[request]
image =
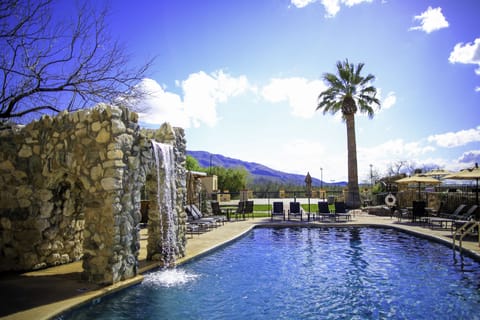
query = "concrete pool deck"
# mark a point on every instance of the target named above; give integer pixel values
(43, 294)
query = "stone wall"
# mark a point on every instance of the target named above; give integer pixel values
(70, 189)
(156, 228)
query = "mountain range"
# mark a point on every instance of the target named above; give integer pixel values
(257, 171)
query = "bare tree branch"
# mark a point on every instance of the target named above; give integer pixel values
(48, 64)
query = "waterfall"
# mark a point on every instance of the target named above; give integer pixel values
(166, 200)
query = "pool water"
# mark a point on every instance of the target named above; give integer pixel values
(307, 273)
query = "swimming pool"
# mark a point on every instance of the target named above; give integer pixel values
(307, 273)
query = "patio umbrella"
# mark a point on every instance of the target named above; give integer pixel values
(467, 174)
(437, 173)
(418, 179)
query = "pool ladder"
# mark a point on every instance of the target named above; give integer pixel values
(463, 231)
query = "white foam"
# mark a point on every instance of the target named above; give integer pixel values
(169, 278)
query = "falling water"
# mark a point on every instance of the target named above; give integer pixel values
(166, 200)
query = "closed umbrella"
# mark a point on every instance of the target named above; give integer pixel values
(308, 183)
(418, 179)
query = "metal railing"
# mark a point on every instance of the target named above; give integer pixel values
(464, 230)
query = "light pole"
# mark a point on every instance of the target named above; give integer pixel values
(371, 184)
(371, 176)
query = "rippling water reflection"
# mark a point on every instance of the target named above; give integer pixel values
(309, 273)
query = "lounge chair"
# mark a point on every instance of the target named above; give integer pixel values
(295, 210)
(457, 211)
(197, 226)
(461, 219)
(341, 211)
(194, 217)
(194, 228)
(217, 213)
(240, 210)
(467, 215)
(440, 222)
(220, 219)
(469, 218)
(444, 219)
(248, 209)
(324, 211)
(278, 210)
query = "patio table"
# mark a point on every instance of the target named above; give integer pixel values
(229, 209)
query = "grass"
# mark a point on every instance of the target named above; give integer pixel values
(263, 210)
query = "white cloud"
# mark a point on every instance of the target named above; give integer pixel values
(383, 155)
(472, 156)
(399, 149)
(351, 3)
(332, 7)
(431, 20)
(456, 139)
(389, 101)
(161, 106)
(467, 54)
(302, 3)
(300, 93)
(202, 93)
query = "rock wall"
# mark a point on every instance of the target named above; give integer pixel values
(70, 189)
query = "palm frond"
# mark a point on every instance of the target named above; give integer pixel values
(348, 83)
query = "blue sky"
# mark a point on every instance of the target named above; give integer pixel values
(243, 77)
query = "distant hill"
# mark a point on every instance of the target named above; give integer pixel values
(258, 171)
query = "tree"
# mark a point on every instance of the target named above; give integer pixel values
(231, 179)
(49, 63)
(401, 167)
(349, 92)
(193, 165)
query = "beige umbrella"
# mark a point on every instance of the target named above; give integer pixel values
(418, 179)
(437, 173)
(467, 174)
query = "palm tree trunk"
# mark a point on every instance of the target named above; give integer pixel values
(353, 193)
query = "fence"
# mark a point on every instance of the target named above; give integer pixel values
(434, 199)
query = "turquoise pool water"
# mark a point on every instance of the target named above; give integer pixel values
(307, 273)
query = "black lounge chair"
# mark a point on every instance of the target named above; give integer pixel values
(248, 209)
(220, 219)
(462, 219)
(341, 211)
(217, 213)
(278, 210)
(295, 210)
(194, 228)
(457, 212)
(240, 210)
(443, 219)
(467, 215)
(194, 216)
(324, 211)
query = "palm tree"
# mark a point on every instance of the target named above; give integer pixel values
(348, 92)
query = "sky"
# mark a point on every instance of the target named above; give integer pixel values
(243, 78)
